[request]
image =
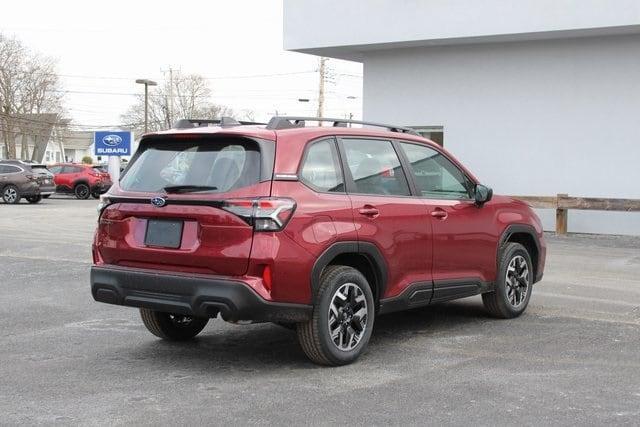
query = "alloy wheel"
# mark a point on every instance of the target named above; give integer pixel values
(517, 281)
(10, 195)
(347, 316)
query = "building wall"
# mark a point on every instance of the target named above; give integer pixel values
(532, 118)
(318, 26)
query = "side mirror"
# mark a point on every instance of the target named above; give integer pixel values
(483, 194)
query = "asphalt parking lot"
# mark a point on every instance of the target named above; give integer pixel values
(573, 358)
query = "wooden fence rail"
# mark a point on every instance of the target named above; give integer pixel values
(563, 202)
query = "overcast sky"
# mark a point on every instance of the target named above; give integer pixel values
(104, 46)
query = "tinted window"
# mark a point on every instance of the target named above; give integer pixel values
(375, 167)
(321, 168)
(55, 169)
(434, 174)
(226, 164)
(9, 169)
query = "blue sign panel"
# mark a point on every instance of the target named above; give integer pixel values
(112, 143)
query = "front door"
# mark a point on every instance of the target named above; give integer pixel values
(387, 216)
(463, 248)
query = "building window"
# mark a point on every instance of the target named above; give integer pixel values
(434, 133)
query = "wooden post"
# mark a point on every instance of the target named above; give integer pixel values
(561, 216)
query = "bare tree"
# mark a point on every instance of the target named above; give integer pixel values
(28, 89)
(192, 98)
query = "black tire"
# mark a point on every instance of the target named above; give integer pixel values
(499, 303)
(315, 336)
(173, 327)
(82, 191)
(34, 199)
(46, 196)
(11, 194)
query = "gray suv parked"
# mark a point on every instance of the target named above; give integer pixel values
(20, 179)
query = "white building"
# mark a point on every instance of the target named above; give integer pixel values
(537, 97)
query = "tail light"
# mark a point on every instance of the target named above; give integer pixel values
(31, 177)
(265, 213)
(96, 173)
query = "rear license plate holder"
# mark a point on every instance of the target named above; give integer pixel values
(164, 233)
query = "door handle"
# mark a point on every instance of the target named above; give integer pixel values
(368, 210)
(439, 213)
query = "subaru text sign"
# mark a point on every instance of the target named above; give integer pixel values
(112, 143)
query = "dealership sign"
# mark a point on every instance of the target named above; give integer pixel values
(112, 143)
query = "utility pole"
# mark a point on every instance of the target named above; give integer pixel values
(322, 70)
(146, 83)
(170, 96)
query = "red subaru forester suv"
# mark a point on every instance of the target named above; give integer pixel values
(320, 229)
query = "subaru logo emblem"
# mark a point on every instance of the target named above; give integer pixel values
(112, 140)
(158, 202)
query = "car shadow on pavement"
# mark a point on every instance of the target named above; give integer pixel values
(265, 347)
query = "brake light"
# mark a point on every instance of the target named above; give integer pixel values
(265, 214)
(93, 172)
(32, 177)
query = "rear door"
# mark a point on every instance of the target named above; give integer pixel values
(185, 205)
(387, 216)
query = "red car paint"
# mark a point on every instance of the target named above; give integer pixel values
(68, 175)
(420, 240)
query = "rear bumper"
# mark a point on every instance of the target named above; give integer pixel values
(190, 295)
(101, 187)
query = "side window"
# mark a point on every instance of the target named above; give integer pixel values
(55, 169)
(375, 167)
(321, 169)
(435, 175)
(3, 169)
(10, 169)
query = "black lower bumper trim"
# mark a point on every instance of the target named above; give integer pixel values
(190, 295)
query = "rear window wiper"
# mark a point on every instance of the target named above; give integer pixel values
(188, 188)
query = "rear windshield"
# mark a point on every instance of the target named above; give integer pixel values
(40, 169)
(100, 168)
(220, 164)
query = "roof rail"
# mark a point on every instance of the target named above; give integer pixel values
(288, 122)
(222, 122)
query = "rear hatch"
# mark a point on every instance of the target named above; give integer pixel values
(42, 175)
(186, 203)
(101, 172)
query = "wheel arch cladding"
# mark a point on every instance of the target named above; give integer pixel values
(526, 236)
(364, 257)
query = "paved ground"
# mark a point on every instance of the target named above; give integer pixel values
(573, 358)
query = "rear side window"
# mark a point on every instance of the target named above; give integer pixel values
(55, 169)
(375, 167)
(222, 164)
(9, 169)
(321, 169)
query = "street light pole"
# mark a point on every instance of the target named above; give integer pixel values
(146, 83)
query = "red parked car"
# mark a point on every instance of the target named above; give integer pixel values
(316, 228)
(81, 180)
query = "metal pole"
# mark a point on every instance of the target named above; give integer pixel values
(146, 108)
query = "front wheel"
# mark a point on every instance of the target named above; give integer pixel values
(34, 199)
(173, 327)
(82, 191)
(342, 319)
(513, 284)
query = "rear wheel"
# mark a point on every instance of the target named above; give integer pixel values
(11, 194)
(513, 285)
(82, 191)
(342, 320)
(174, 327)
(34, 199)
(46, 196)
